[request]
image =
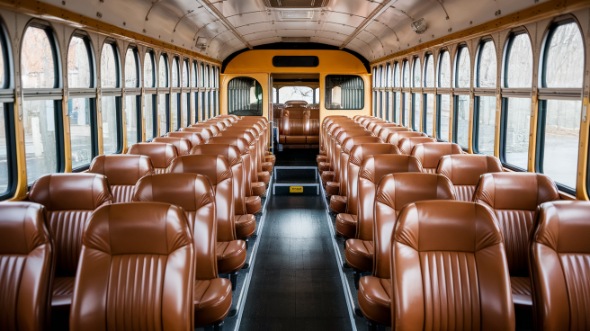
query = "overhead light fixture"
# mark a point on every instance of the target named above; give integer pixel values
(419, 26)
(201, 43)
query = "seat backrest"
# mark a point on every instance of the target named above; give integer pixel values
(395, 191)
(122, 171)
(234, 157)
(69, 199)
(204, 132)
(397, 135)
(217, 169)
(514, 197)
(183, 145)
(358, 154)
(407, 144)
(148, 242)
(246, 155)
(430, 153)
(448, 269)
(26, 261)
(372, 169)
(161, 154)
(214, 129)
(387, 131)
(559, 266)
(347, 145)
(464, 171)
(194, 194)
(193, 137)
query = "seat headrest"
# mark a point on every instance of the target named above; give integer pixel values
(465, 169)
(350, 142)
(447, 226)
(408, 143)
(515, 190)
(375, 167)
(360, 152)
(71, 191)
(193, 137)
(161, 154)
(429, 154)
(183, 145)
(396, 136)
(122, 169)
(189, 191)
(232, 153)
(563, 226)
(342, 135)
(215, 167)
(398, 190)
(22, 227)
(240, 143)
(137, 228)
(205, 133)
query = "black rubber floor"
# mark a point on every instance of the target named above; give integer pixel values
(295, 283)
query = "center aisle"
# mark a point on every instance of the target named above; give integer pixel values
(295, 283)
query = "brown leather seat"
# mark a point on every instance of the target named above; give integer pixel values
(69, 200)
(26, 262)
(231, 252)
(559, 266)
(386, 132)
(396, 136)
(329, 178)
(193, 137)
(346, 223)
(448, 268)
(204, 132)
(338, 199)
(161, 154)
(183, 145)
(429, 154)
(393, 192)
(464, 171)
(212, 295)
(122, 172)
(514, 197)
(406, 145)
(245, 222)
(214, 129)
(137, 270)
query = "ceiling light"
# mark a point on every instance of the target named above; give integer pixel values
(419, 26)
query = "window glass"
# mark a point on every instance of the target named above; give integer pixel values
(416, 73)
(80, 111)
(39, 123)
(463, 68)
(163, 71)
(388, 76)
(486, 124)
(443, 117)
(4, 171)
(79, 71)
(184, 116)
(486, 65)
(562, 137)
(516, 141)
(108, 66)
(462, 120)
(174, 120)
(444, 70)
(406, 74)
(344, 92)
(110, 137)
(429, 120)
(398, 107)
(245, 97)
(195, 74)
(175, 76)
(162, 114)
(131, 68)
(185, 74)
(131, 115)
(429, 71)
(148, 70)
(396, 75)
(564, 57)
(37, 60)
(406, 114)
(148, 115)
(304, 93)
(519, 62)
(416, 111)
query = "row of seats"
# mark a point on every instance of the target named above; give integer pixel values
(298, 124)
(440, 171)
(70, 199)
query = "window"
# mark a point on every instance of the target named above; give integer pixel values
(244, 97)
(462, 68)
(8, 173)
(195, 83)
(81, 103)
(163, 96)
(416, 96)
(486, 65)
(110, 99)
(41, 111)
(484, 130)
(388, 94)
(559, 118)
(443, 111)
(406, 95)
(149, 81)
(175, 119)
(462, 120)
(185, 96)
(344, 92)
(304, 93)
(429, 106)
(518, 65)
(397, 97)
(132, 118)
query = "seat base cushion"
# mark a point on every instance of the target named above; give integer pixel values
(245, 226)
(332, 188)
(375, 299)
(346, 225)
(253, 204)
(521, 291)
(267, 166)
(321, 158)
(264, 176)
(338, 203)
(231, 256)
(324, 166)
(259, 189)
(359, 254)
(212, 300)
